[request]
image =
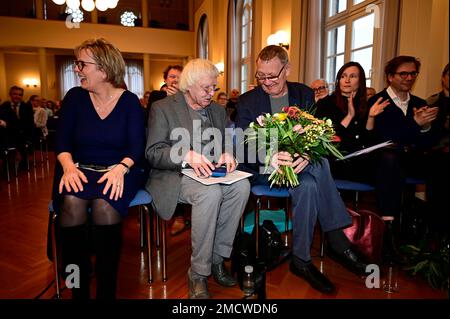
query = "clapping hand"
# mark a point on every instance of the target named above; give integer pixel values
(425, 115)
(378, 107)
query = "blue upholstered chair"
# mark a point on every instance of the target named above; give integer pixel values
(346, 185)
(142, 200)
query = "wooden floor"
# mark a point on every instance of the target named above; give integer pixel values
(25, 270)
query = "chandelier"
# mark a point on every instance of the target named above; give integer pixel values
(88, 5)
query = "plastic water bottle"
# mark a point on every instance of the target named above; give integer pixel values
(248, 282)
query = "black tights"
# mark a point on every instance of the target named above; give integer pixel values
(76, 245)
(74, 212)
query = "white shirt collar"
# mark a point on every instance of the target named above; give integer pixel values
(403, 105)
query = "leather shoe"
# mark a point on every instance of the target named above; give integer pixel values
(351, 261)
(314, 277)
(222, 276)
(178, 226)
(198, 288)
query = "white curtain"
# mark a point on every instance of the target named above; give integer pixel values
(68, 78)
(134, 78)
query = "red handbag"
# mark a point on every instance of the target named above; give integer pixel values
(366, 234)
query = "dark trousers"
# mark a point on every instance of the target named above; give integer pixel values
(316, 198)
(394, 166)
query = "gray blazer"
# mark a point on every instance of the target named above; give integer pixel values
(165, 175)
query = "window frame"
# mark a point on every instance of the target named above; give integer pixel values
(346, 18)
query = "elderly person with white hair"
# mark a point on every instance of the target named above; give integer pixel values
(176, 127)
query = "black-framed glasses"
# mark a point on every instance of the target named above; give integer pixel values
(210, 88)
(269, 77)
(320, 89)
(81, 64)
(404, 74)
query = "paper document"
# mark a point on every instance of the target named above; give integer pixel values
(229, 179)
(368, 150)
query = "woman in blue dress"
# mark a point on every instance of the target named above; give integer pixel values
(99, 145)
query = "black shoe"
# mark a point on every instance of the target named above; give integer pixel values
(350, 260)
(221, 275)
(314, 277)
(198, 288)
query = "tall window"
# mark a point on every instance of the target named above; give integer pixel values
(350, 35)
(246, 18)
(202, 38)
(134, 78)
(68, 78)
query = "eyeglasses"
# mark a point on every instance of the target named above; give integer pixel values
(211, 88)
(81, 64)
(404, 75)
(269, 77)
(319, 89)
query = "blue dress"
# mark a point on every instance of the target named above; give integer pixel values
(92, 140)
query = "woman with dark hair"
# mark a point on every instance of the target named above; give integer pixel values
(347, 108)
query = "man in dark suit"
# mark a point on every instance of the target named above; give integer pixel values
(182, 129)
(407, 121)
(18, 117)
(316, 198)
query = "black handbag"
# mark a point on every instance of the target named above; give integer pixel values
(270, 244)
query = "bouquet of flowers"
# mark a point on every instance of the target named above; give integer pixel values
(296, 132)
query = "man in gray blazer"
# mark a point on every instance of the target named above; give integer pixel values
(188, 130)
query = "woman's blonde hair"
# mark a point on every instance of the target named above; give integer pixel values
(194, 70)
(108, 58)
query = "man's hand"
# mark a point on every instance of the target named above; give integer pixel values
(284, 158)
(172, 89)
(229, 160)
(425, 115)
(201, 165)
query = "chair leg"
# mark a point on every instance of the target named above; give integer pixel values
(164, 249)
(148, 217)
(322, 244)
(256, 225)
(286, 225)
(8, 177)
(356, 200)
(55, 257)
(142, 226)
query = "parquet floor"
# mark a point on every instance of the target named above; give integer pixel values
(25, 270)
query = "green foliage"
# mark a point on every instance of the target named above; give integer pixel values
(430, 259)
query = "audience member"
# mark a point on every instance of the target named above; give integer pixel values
(99, 146)
(171, 77)
(316, 198)
(40, 117)
(370, 92)
(320, 88)
(216, 209)
(347, 108)
(222, 99)
(438, 186)
(406, 121)
(18, 117)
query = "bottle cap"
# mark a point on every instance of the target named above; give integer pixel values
(248, 269)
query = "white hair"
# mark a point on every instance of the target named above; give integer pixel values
(194, 70)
